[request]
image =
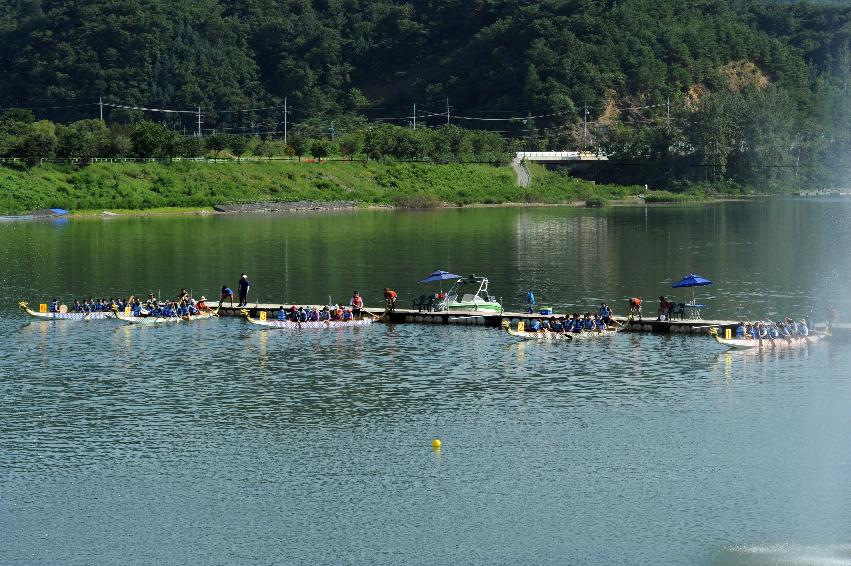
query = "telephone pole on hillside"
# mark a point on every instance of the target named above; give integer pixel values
(668, 111)
(285, 120)
(415, 116)
(100, 103)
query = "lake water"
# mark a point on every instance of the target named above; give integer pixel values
(221, 443)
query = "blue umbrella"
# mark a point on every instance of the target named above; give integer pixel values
(439, 276)
(692, 280)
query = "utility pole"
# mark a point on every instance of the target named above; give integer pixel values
(447, 110)
(285, 120)
(333, 131)
(100, 103)
(798, 158)
(584, 125)
(668, 111)
(415, 116)
(199, 122)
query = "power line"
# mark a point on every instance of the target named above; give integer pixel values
(164, 110)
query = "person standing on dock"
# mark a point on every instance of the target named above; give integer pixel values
(530, 300)
(356, 304)
(244, 286)
(390, 299)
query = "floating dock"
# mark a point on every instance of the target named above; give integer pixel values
(473, 318)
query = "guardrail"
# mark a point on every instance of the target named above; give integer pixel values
(553, 156)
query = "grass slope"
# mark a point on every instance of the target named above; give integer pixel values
(143, 186)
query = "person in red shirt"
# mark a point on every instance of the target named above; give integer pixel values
(390, 298)
(357, 304)
(635, 307)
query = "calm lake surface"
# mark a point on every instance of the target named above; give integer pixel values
(221, 443)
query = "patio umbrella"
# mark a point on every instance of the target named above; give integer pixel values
(441, 276)
(692, 280)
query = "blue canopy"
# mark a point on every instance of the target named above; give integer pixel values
(692, 280)
(440, 276)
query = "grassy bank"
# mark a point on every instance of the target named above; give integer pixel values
(143, 186)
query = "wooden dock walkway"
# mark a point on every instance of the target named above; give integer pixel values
(473, 318)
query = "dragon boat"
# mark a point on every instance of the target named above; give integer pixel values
(63, 313)
(152, 320)
(292, 325)
(524, 334)
(766, 344)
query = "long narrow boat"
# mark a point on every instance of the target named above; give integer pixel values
(520, 332)
(98, 315)
(766, 344)
(320, 325)
(163, 319)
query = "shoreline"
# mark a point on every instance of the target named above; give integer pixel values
(300, 207)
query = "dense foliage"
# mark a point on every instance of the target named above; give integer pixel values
(24, 139)
(749, 90)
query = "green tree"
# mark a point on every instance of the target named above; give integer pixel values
(300, 143)
(216, 143)
(85, 138)
(150, 139)
(351, 144)
(320, 149)
(238, 145)
(192, 146)
(37, 143)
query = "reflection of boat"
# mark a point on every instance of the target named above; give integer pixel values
(469, 294)
(64, 314)
(317, 324)
(162, 319)
(754, 344)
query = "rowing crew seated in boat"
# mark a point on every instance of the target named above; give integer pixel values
(315, 314)
(574, 323)
(89, 305)
(788, 329)
(154, 308)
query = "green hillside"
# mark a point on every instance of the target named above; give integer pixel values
(132, 186)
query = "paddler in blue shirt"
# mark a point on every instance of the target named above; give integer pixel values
(53, 306)
(740, 331)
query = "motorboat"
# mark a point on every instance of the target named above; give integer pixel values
(469, 294)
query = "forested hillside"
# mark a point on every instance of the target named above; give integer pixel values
(731, 85)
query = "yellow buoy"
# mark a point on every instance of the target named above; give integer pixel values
(435, 444)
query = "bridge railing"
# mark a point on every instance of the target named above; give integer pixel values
(552, 156)
(548, 155)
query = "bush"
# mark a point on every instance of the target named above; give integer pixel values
(418, 200)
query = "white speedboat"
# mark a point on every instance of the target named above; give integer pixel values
(469, 294)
